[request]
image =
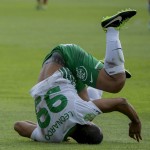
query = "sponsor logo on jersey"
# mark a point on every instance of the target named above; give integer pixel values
(89, 117)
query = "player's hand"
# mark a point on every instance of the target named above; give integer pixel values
(135, 130)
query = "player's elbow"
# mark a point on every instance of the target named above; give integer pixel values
(122, 104)
(123, 101)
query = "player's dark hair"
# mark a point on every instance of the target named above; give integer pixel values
(87, 134)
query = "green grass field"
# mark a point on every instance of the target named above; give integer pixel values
(26, 35)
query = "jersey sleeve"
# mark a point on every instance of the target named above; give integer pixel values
(79, 85)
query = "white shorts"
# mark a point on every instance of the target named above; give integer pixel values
(59, 109)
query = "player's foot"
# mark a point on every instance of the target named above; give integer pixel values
(118, 19)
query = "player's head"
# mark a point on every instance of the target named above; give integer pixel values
(88, 134)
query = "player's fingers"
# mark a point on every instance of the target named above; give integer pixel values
(132, 135)
(137, 137)
(140, 136)
(134, 138)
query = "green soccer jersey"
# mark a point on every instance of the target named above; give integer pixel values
(84, 67)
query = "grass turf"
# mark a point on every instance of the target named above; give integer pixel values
(26, 35)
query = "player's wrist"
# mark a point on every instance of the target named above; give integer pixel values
(136, 121)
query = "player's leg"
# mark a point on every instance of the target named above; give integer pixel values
(114, 72)
(45, 2)
(39, 4)
(42, 4)
(24, 128)
(112, 77)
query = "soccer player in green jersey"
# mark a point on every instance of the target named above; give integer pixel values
(87, 70)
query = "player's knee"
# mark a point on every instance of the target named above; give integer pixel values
(118, 85)
(117, 88)
(112, 84)
(17, 126)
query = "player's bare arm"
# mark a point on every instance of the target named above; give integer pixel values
(84, 94)
(121, 105)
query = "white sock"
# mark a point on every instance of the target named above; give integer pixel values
(114, 58)
(94, 93)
